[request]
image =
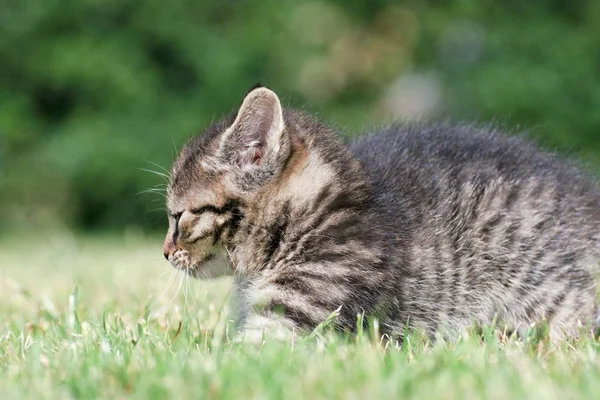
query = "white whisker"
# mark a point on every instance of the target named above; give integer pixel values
(165, 270)
(158, 165)
(162, 175)
(169, 283)
(194, 301)
(177, 292)
(185, 293)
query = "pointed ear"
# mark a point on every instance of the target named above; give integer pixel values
(256, 131)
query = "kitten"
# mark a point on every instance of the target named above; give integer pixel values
(427, 227)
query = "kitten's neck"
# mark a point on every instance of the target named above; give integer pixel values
(313, 198)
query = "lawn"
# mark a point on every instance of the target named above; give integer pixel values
(106, 317)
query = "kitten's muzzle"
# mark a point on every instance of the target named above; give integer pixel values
(169, 247)
(180, 258)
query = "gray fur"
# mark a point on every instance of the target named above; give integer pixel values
(433, 227)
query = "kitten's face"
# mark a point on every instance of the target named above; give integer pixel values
(213, 177)
(201, 220)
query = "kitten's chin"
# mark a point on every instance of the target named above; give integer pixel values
(214, 265)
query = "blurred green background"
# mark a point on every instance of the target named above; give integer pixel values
(92, 92)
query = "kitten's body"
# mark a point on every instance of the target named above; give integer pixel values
(492, 228)
(435, 227)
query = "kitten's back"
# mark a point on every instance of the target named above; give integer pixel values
(495, 226)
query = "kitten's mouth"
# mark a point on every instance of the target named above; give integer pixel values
(181, 260)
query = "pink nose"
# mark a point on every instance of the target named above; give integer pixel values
(168, 246)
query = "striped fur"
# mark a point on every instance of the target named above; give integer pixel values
(431, 227)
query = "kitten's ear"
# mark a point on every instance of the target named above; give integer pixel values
(256, 130)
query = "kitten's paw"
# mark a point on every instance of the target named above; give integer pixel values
(259, 328)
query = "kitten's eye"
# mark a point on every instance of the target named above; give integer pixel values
(176, 216)
(207, 208)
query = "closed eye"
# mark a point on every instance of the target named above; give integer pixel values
(230, 206)
(207, 208)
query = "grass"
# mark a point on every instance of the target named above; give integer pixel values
(84, 318)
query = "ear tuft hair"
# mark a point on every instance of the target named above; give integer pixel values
(255, 86)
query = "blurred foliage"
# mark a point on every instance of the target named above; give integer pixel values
(93, 92)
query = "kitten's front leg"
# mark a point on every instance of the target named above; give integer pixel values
(258, 319)
(284, 306)
(258, 327)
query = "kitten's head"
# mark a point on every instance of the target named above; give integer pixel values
(216, 174)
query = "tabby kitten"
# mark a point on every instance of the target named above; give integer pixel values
(427, 227)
